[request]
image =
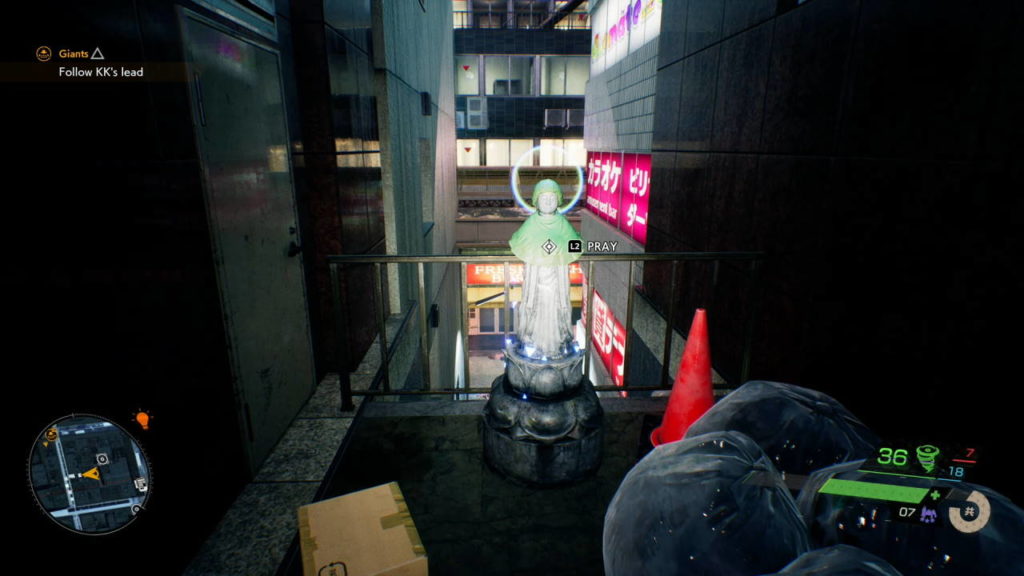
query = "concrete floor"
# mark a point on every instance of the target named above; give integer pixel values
(473, 520)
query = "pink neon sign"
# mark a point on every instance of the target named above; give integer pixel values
(618, 190)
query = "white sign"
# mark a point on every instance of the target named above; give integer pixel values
(620, 27)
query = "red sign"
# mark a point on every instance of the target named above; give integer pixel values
(604, 182)
(609, 339)
(637, 192)
(494, 274)
(595, 193)
(618, 190)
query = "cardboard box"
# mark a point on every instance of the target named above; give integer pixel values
(366, 533)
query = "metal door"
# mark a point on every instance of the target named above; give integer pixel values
(238, 113)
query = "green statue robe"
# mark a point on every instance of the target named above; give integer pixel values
(544, 317)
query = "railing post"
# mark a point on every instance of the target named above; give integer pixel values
(666, 355)
(629, 327)
(382, 329)
(587, 340)
(463, 307)
(424, 338)
(508, 300)
(344, 379)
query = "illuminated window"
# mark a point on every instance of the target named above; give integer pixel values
(502, 152)
(563, 152)
(497, 152)
(467, 75)
(468, 153)
(508, 75)
(564, 75)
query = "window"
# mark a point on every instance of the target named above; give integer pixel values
(577, 20)
(468, 153)
(497, 152)
(508, 75)
(460, 13)
(496, 75)
(564, 75)
(516, 150)
(467, 70)
(504, 153)
(559, 152)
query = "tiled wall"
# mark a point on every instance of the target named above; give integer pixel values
(413, 54)
(620, 104)
(619, 118)
(864, 145)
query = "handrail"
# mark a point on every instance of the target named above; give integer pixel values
(617, 256)
(380, 263)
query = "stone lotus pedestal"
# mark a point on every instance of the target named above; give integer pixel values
(543, 423)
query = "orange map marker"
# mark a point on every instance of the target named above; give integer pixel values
(94, 474)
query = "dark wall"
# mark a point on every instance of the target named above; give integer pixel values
(340, 160)
(522, 117)
(871, 149)
(110, 300)
(501, 41)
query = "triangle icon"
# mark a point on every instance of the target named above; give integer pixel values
(94, 474)
(465, 67)
(97, 55)
(468, 148)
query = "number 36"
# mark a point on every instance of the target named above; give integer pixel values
(889, 456)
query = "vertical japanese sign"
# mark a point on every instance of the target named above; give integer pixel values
(604, 185)
(618, 190)
(609, 339)
(636, 193)
(595, 193)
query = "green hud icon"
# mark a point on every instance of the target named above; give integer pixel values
(926, 456)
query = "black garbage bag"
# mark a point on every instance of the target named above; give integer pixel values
(971, 531)
(712, 504)
(838, 561)
(801, 430)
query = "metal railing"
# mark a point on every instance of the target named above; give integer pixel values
(752, 260)
(520, 19)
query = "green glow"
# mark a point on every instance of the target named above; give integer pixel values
(926, 455)
(872, 491)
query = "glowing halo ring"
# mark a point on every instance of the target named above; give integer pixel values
(515, 176)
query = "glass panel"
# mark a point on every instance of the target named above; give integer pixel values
(468, 153)
(517, 148)
(487, 320)
(577, 72)
(552, 75)
(496, 75)
(575, 152)
(521, 76)
(466, 69)
(551, 152)
(497, 152)
(460, 13)
(488, 19)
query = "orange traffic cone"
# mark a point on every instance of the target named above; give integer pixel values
(691, 393)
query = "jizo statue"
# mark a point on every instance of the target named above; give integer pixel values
(544, 317)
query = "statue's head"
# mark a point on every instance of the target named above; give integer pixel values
(547, 196)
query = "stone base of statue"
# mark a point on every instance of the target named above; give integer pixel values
(543, 423)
